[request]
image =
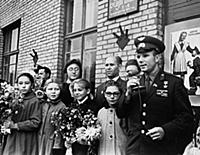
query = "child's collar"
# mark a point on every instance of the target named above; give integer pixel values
(81, 102)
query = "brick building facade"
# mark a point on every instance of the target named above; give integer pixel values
(49, 27)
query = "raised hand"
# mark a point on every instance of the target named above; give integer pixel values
(123, 39)
(35, 57)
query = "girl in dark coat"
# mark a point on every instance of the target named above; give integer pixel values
(81, 91)
(49, 143)
(24, 125)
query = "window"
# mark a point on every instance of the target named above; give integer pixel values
(10, 51)
(81, 34)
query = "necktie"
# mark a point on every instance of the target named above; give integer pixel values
(147, 83)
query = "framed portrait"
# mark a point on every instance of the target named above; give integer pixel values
(118, 8)
(181, 40)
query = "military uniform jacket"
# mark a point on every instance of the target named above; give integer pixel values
(166, 105)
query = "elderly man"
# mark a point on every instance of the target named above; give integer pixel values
(160, 120)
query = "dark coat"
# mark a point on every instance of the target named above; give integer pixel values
(100, 99)
(24, 141)
(78, 149)
(65, 94)
(47, 139)
(166, 105)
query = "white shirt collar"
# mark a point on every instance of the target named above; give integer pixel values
(114, 79)
(81, 102)
(68, 81)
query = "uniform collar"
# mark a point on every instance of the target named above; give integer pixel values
(153, 75)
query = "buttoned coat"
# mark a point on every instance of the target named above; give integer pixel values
(47, 139)
(113, 139)
(166, 105)
(24, 141)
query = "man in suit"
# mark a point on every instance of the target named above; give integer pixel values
(160, 119)
(112, 68)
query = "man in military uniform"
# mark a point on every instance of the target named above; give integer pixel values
(160, 121)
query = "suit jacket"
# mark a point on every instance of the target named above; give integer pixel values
(100, 100)
(166, 105)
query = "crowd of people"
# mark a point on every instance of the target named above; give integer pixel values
(149, 113)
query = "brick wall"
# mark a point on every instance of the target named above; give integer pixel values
(1, 49)
(41, 29)
(148, 21)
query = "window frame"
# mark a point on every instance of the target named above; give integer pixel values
(7, 53)
(69, 34)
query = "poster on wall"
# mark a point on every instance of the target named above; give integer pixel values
(182, 55)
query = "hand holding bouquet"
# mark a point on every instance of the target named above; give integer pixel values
(90, 131)
(66, 121)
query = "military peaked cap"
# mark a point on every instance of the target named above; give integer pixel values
(147, 43)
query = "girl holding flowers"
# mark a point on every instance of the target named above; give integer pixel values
(81, 91)
(113, 139)
(51, 143)
(25, 122)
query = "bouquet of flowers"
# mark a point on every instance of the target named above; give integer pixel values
(10, 103)
(66, 121)
(89, 132)
(77, 126)
(6, 95)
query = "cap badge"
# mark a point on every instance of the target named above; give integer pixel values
(141, 38)
(141, 45)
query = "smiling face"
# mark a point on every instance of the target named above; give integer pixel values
(147, 61)
(111, 67)
(24, 84)
(80, 92)
(52, 91)
(112, 95)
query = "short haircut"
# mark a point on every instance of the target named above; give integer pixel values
(74, 61)
(118, 60)
(46, 70)
(84, 82)
(31, 78)
(112, 83)
(132, 62)
(51, 80)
